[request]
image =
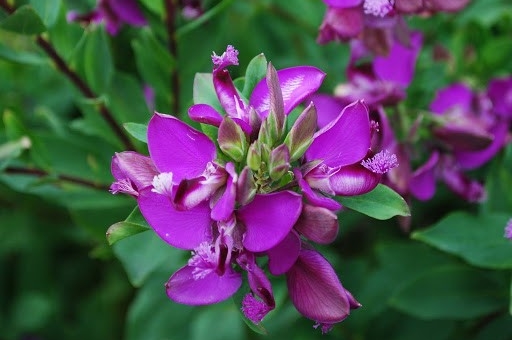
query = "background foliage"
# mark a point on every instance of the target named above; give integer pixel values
(448, 279)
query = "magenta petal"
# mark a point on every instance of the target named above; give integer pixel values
(315, 289)
(398, 66)
(456, 95)
(327, 107)
(176, 147)
(342, 3)
(183, 288)
(224, 207)
(499, 92)
(353, 180)
(204, 113)
(269, 218)
(345, 140)
(423, 181)
(317, 224)
(458, 182)
(136, 167)
(128, 11)
(226, 92)
(282, 257)
(181, 229)
(313, 197)
(297, 83)
(475, 159)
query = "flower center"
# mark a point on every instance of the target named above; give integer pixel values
(379, 8)
(162, 184)
(204, 261)
(381, 162)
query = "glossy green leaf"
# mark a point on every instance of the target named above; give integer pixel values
(256, 71)
(24, 20)
(381, 203)
(460, 293)
(477, 239)
(138, 131)
(134, 224)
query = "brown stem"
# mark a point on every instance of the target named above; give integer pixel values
(172, 45)
(63, 67)
(64, 178)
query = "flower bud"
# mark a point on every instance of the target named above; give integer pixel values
(279, 162)
(254, 156)
(232, 139)
(246, 187)
(301, 134)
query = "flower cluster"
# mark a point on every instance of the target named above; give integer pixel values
(254, 198)
(114, 13)
(376, 23)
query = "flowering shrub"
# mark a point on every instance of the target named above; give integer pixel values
(345, 168)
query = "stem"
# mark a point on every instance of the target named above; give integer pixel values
(84, 88)
(64, 178)
(172, 45)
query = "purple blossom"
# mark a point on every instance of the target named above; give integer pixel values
(469, 126)
(259, 190)
(114, 13)
(384, 80)
(508, 229)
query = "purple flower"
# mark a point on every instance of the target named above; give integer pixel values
(114, 13)
(385, 79)
(468, 125)
(316, 291)
(445, 168)
(508, 229)
(260, 189)
(339, 160)
(295, 84)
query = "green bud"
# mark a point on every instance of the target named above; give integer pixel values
(254, 156)
(245, 187)
(276, 109)
(279, 162)
(301, 134)
(232, 139)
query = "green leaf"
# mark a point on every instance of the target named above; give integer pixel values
(138, 131)
(155, 65)
(19, 50)
(97, 65)
(256, 71)
(381, 203)
(24, 20)
(14, 127)
(153, 316)
(12, 149)
(477, 239)
(204, 92)
(451, 292)
(497, 184)
(134, 224)
(145, 253)
(48, 10)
